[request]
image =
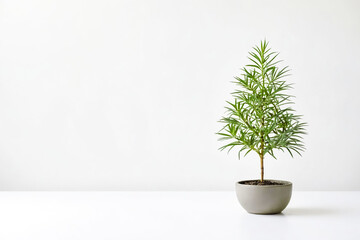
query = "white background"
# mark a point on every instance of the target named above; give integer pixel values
(126, 95)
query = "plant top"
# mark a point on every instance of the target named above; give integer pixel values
(261, 118)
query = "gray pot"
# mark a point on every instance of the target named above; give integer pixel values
(267, 199)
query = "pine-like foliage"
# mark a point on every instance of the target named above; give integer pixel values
(261, 118)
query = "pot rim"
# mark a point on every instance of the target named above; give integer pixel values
(285, 183)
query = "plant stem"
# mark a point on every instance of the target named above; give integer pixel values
(262, 126)
(262, 160)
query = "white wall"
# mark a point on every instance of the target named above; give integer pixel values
(126, 95)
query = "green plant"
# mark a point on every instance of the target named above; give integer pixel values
(261, 118)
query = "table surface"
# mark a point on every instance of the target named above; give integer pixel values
(173, 215)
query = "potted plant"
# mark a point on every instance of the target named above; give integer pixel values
(261, 120)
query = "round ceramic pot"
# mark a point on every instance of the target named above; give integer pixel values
(264, 199)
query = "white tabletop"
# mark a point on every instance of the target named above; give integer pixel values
(173, 215)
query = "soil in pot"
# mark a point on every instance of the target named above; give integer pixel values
(258, 182)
